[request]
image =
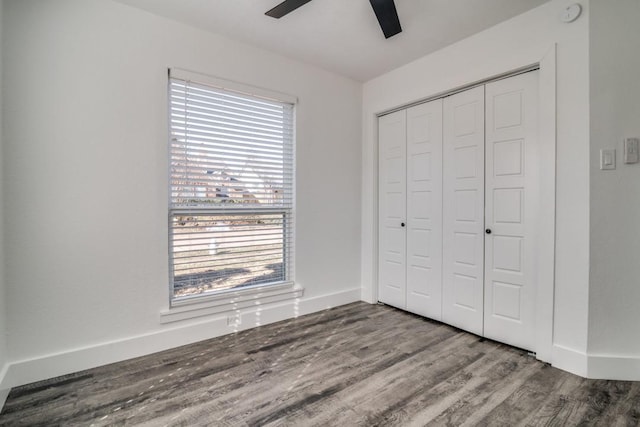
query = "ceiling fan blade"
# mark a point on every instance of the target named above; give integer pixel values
(285, 7)
(387, 17)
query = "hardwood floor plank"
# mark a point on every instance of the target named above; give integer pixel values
(602, 397)
(547, 411)
(435, 400)
(626, 412)
(528, 396)
(427, 366)
(498, 383)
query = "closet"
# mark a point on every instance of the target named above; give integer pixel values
(457, 213)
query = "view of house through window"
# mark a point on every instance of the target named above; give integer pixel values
(231, 189)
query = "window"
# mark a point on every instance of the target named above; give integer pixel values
(231, 188)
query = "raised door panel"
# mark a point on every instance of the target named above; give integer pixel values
(392, 209)
(463, 210)
(510, 211)
(424, 209)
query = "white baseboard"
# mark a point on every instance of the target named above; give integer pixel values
(569, 360)
(3, 398)
(612, 367)
(30, 370)
(4, 390)
(596, 366)
(27, 371)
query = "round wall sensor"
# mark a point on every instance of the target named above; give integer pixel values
(571, 13)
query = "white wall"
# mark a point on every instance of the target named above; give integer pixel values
(522, 40)
(614, 296)
(86, 161)
(3, 328)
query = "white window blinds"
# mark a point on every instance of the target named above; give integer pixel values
(231, 189)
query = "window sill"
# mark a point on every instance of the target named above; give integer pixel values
(190, 308)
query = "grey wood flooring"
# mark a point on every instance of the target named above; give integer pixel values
(358, 364)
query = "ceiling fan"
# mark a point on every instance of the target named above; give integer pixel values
(385, 12)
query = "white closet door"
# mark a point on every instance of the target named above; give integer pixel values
(392, 140)
(511, 192)
(424, 209)
(463, 210)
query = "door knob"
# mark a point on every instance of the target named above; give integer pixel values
(488, 231)
(402, 224)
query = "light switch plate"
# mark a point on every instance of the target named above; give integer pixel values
(607, 159)
(631, 146)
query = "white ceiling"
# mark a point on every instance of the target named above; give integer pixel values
(342, 35)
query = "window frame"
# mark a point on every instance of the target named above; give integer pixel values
(273, 291)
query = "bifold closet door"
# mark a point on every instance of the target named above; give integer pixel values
(458, 188)
(410, 209)
(463, 210)
(392, 192)
(510, 214)
(424, 209)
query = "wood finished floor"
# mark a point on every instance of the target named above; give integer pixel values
(359, 364)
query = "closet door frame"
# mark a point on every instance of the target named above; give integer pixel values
(545, 265)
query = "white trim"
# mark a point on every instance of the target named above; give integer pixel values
(182, 74)
(52, 365)
(4, 388)
(370, 294)
(569, 360)
(613, 367)
(546, 217)
(596, 366)
(3, 398)
(463, 88)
